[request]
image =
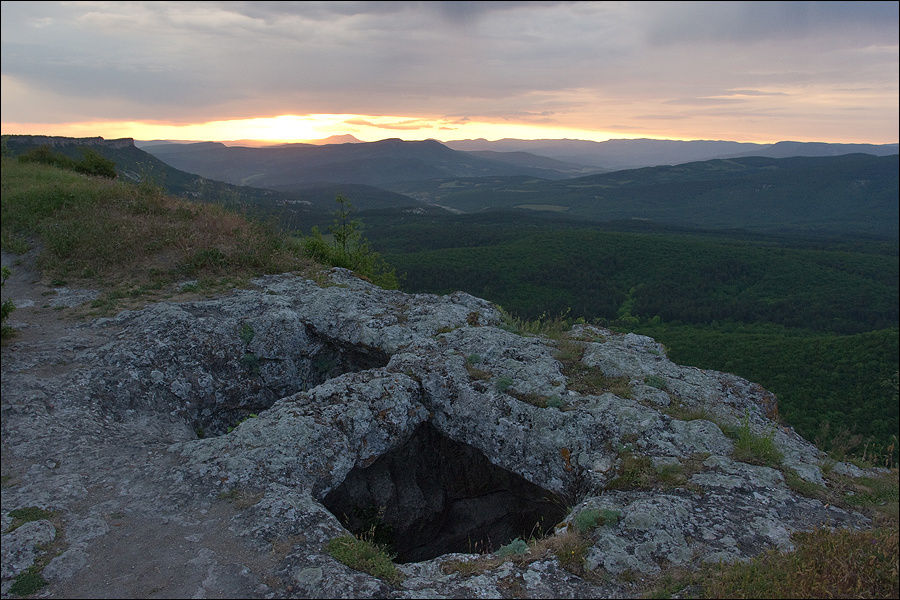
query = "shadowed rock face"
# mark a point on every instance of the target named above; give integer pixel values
(433, 496)
(316, 359)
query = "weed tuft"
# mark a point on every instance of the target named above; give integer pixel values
(752, 448)
(27, 582)
(657, 382)
(551, 327)
(503, 384)
(366, 556)
(588, 519)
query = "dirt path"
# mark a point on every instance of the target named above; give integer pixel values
(123, 526)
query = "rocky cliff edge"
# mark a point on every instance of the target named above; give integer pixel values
(214, 448)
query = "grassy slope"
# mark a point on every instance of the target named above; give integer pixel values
(133, 241)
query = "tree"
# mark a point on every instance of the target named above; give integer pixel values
(349, 249)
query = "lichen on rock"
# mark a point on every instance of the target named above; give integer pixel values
(231, 423)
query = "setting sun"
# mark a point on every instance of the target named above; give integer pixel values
(299, 128)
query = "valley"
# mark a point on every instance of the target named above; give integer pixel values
(781, 270)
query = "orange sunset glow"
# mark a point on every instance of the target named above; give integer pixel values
(299, 128)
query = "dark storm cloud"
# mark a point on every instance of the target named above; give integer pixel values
(741, 22)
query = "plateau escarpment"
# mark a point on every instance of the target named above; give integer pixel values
(216, 447)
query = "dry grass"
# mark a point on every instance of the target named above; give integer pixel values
(826, 564)
(134, 241)
(570, 549)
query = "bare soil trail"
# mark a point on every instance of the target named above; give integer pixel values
(120, 529)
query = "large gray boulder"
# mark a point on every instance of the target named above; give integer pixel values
(227, 441)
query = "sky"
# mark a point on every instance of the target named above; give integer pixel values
(285, 71)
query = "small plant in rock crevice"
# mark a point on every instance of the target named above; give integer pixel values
(517, 546)
(752, 448)
(246, 334)
(28, 582)
(364, 555)
(251, 362)
(657, 382)
(588, 519)
(250, 416)
(28, 514)
(503, 384)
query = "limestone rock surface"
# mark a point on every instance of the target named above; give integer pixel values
(194, 449)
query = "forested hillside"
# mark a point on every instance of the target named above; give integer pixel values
(855, 193)
(812, 319)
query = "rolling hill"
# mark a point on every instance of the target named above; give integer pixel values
(382, 163)
(855, 193)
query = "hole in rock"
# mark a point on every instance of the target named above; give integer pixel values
(434, 496)
(265, 381)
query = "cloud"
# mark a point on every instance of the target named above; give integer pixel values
(573, 63)
(759, 22)
(410, 125)
(753, 93)
(704, 101)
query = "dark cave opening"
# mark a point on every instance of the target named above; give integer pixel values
(434, 496)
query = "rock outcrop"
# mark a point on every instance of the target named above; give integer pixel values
(214, 448)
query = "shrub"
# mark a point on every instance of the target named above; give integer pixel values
(91, 162)
(94, 164)
(44, 155)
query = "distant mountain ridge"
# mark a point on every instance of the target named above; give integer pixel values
(615, 155)
(381, 163)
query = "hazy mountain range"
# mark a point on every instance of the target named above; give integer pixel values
(297, 183)
(389, 162)
(613, 155)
